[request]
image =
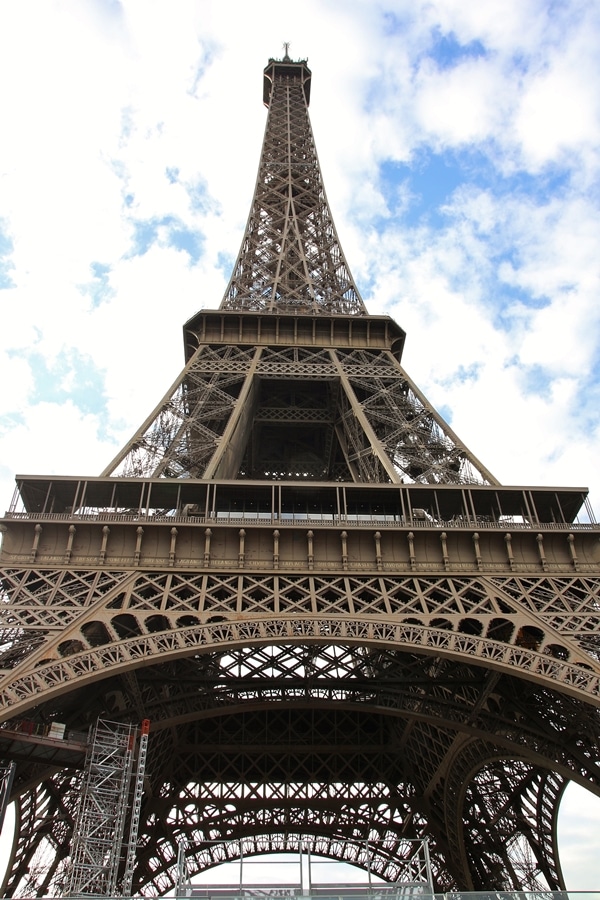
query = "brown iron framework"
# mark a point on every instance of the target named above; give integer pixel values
(341, 626)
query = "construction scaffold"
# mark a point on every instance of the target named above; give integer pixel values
(107, 794)
(7, 774)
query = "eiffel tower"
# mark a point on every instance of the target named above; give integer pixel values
(346, 633)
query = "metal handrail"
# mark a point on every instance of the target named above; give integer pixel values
(292, 519)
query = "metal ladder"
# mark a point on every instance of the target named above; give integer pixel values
(136, 807)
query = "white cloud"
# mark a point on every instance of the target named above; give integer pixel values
(505, 385)
(68, 442)
(460, 105)
(504, 26)
(559, 113)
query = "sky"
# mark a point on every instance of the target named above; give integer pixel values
(460, 147)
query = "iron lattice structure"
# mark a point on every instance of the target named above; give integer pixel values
(341, 626)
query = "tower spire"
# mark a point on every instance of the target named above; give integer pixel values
(291, 258)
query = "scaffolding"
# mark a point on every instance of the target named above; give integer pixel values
(105, 799)
(7, 774)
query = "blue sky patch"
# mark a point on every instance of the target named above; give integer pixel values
(11, 420)
(392, 23)
(112, 7)
(169, 231)
(550, 182)
(126, 123)
(431, 179)
(209, 52)
(467, 373)
(189, 241)
(225, 262)
(447, 51)
(70, 376)
(462, 375)
(536, 380)
(99, 288)
(6, 263)
(509, 303)
(200, 198)
(445, 412)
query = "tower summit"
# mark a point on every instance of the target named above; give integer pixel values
(347, 635)
(290, 257)
(313, 386)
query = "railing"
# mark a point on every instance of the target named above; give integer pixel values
(333, 892)
(294, 519)
(375, 892)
